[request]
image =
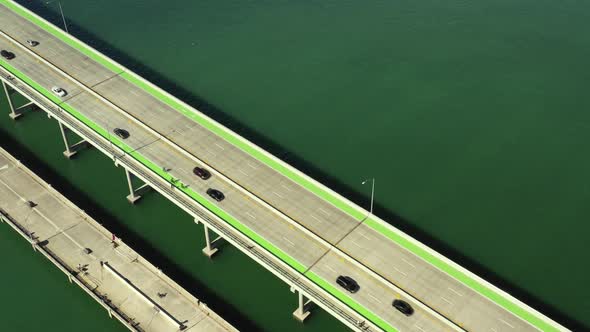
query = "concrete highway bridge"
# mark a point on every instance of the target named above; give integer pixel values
(298, 229)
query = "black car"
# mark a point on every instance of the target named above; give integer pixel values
(215, 194)
(348, 283)
(121, 133)
(7, 55)
(403, 306)
(202, 173)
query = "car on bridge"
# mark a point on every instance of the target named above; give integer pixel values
(59, 91)
(7, 55)
(403, 307)
(215, 194)
(348, 283)
(202, 173)
(32, 43)
(122, 133)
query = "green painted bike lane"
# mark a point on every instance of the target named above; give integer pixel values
(285, 170)
(225, 216)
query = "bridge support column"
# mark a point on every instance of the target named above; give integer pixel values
(14, 114)
(71, 150)
(301, 312)
(209, 249)
(134, 194)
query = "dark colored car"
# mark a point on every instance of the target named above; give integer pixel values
(202, 173)
(7, 55)
(121, 133)
(215, 194)
(348, 283)
(403, 306)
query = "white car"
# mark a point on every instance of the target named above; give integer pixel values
(59, 91)
(32, 43)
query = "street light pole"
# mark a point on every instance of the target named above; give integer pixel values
(372, 194)
(62, 14)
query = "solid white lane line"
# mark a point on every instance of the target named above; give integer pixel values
(316, 218)
(400, 271)
(4, 167)
(289, 241)
(324, 211)
(374, 298)
(446, 300)
(410, 264)
(505, 322)
(219, 146)
(276, 193)
(454, 291)
(251, 215)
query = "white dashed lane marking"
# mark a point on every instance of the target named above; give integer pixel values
(454, 291)
(446, 300)
(288, 241)
(316, 218)
(400, 271)
(505, 322)
(410, 264)
(374, 298)
(286, 187)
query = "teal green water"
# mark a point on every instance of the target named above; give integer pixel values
(472, 116)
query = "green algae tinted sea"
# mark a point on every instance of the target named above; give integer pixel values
(472, 116)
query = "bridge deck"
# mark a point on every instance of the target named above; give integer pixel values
(129, 282)
(321, 239)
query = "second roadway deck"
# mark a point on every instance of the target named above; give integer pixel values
(112, 273)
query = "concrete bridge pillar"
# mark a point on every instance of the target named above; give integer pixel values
(302, 312)
(71, 150)
(209, 249)
(13, 112)
(134, 194)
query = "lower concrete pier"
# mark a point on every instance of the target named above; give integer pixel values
(130, 288)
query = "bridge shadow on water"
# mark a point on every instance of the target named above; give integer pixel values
(196, 101)
(113, 224)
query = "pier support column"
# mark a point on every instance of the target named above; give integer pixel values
(134, 194)
(301, 312)
(71, 150)
(13, 112)
(209, 250)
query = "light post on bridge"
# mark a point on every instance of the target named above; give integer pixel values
(61, 12)
(372, 195)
